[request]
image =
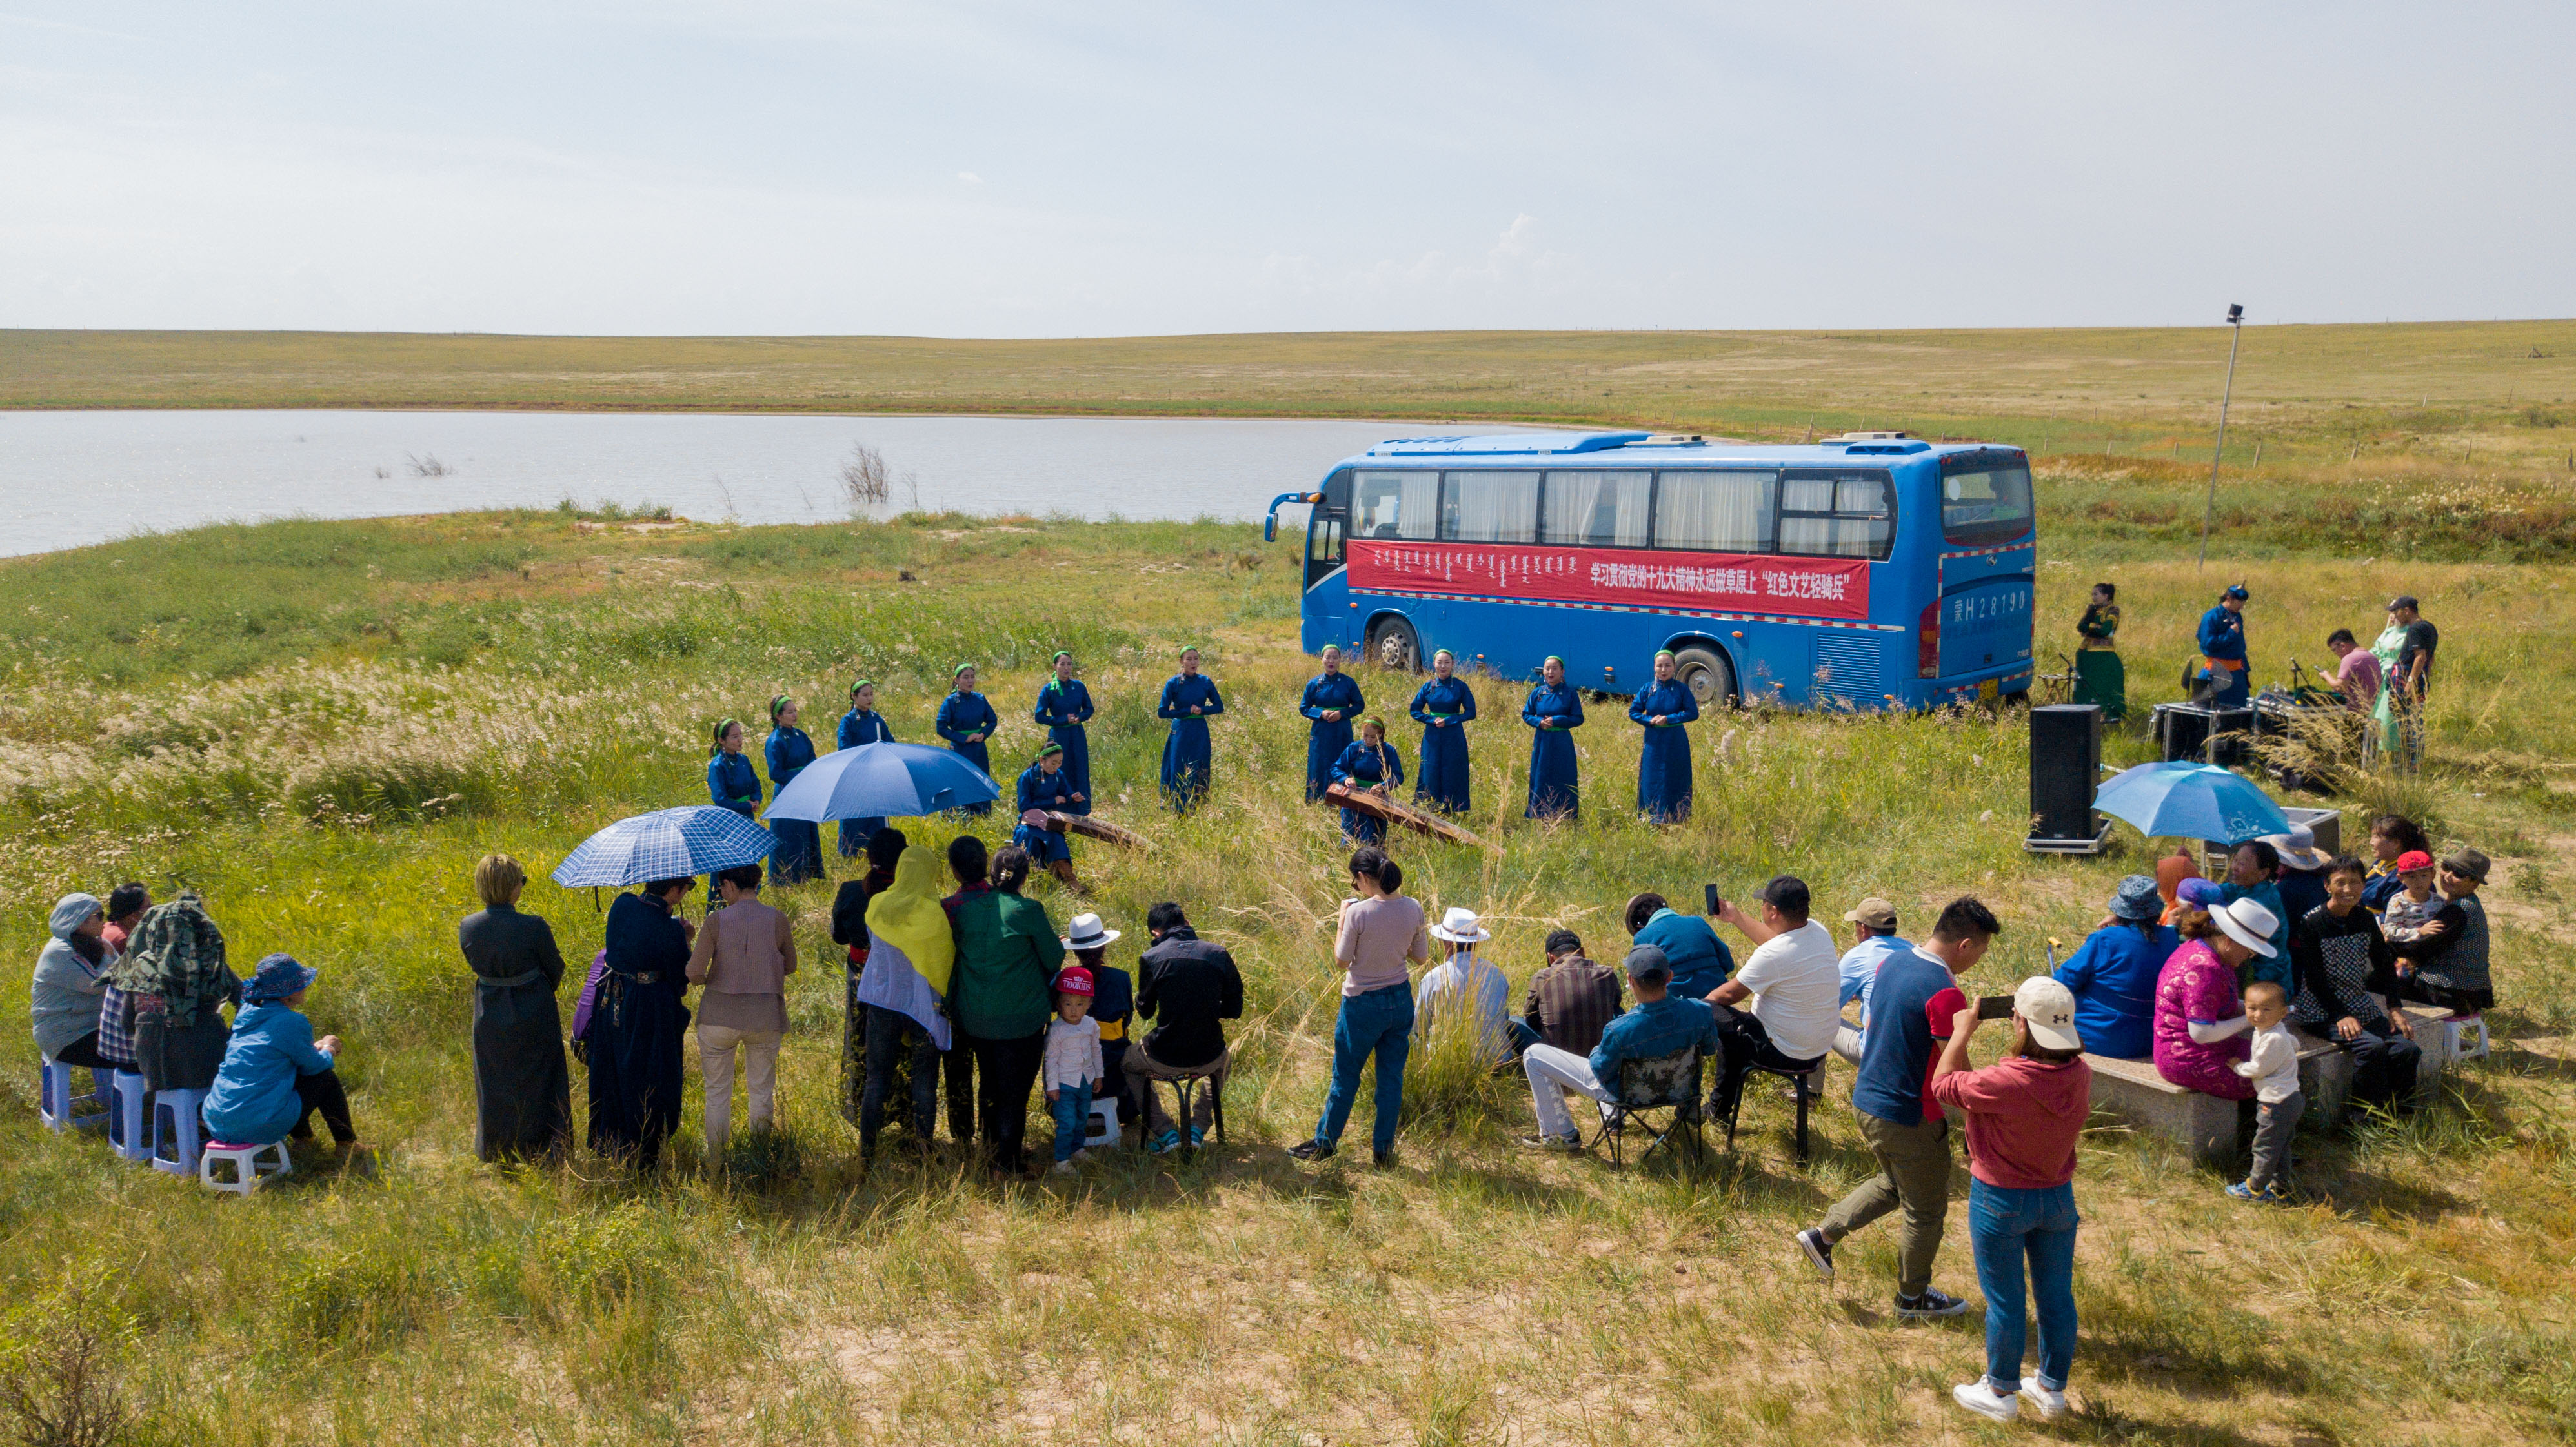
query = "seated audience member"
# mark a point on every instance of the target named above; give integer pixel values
(2171, 871)
(275, 1075)
(1188, 987)
(2445, 966)
(1874, 939)
(1113, 1003)
(125, 906)
(71, 975)
(1699, 960)
(2302, 877)
(1570, 998)
(2200, 1023)
(1661, 1024)
(1464, 981)
(1794, 983)
(2392, 837)
(2254, 872)
(2357, 675)
(2024, 1114)
(2344, 965)
(2414, 903)
(2112, 975)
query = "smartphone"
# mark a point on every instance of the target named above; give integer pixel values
(1994, 1007)
(1708, 896)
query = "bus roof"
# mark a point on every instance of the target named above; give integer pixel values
(1660, 448)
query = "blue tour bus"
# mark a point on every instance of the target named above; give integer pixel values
(1868, 571)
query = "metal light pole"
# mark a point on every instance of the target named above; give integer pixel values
(2236, 320)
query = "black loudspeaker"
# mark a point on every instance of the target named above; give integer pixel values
(2182, 731)
(2065, 768)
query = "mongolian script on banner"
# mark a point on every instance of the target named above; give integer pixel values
(1679, 582)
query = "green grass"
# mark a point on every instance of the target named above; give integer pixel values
(514, 681)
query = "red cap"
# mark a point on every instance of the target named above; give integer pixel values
(1074, 980)
(2412, 860)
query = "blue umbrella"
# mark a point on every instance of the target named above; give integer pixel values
(2182, 800)
(883, 781)
(665, 844)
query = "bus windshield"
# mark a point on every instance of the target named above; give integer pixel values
(1989, 504)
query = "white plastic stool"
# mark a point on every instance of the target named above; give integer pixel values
(58, 1108)
(129, 1129)
(248, 1170)
(1104, 1125)
(2457, 1033)
(174, 1131)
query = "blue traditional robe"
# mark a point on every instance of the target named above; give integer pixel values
(1550, 712)
(1442, 707)
(1361, 766)
(731, 784)
(1042, 790)
(960, 714)
(2222, 640)
(1188, 760)
(1064, 707)
(797, 856)
(1664, 763)
(1326, 738)
(860, 727)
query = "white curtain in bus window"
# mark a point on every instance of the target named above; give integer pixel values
(1836, 516)
(1596, 509)
(1395, 505)
(1489, 507)
(1728, 512)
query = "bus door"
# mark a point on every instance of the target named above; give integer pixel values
(1988, 560)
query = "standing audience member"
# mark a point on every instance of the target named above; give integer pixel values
(2446, 964)
(1570, 998)
(1463, 981)
(1444, 707)
(1794, 982)
(1874, 943)
(176, 972)
(1552, 710)
(1072, 1067)
(2411, 677)
(1189, 987)
(1664, 709)
(742, 959)
(862, 725)
(2200, 1019)
(966, 720)
(2392, 836)
(522, 1085)
(1189, 700)
(1699, 960)
(904, 989)
(2023, 1115)
(275, 1076)
(1330, 704)
(1064, 706)
(2112, 975)
(639, 1021)
(850, 931)
(2272, 1063)
(1662, 1024)
(797, 856)
(1007, 953)
(2344, 965)
(1916, 1003)
(71, 976)
(1381, 935)
(2100, 678)
(2357, 677)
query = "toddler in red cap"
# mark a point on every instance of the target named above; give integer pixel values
(2412, 907)
(1073, 1068)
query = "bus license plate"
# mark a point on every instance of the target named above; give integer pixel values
(1990, 690)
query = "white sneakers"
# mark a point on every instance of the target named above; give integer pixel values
(1985, 1401)
(2050, 1405)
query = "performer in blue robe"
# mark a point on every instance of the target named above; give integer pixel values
(1189, 701)
(966, 720)
(1664, 762)
(1367, 763)
(1553, 708)
(797, 856)
(1046, 784)
(2222, 650)
(731, 781)
(861, 725)
(1064, 706)
(1331, 700)
(1443, 707)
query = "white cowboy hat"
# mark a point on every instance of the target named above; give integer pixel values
(1087, 933)
(2298, 848)
(1459, 927)
(2249, 924)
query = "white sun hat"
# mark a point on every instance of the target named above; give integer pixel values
(1087, 933)
(1459, 927)
(2249, 924)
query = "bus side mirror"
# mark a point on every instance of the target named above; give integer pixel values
(1270, 528)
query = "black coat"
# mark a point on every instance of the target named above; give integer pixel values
(522, 1087)
(1187, 986)
(636, 1034)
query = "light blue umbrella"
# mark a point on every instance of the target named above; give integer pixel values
(884, 781)
(665, 844)
(2181, 800)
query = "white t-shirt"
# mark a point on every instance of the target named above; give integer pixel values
(1796, 980)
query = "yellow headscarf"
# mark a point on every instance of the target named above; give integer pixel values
(907, 916)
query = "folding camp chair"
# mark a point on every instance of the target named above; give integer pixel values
(1663, 1082)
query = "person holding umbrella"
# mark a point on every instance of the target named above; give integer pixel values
(1190, 699)
(1444, 707)
(798, 855)
(2222, 676)
(861, 725)
(966, 719)
(1064, 705)
(1551, 710)
(1331, 701)
(639, 1022)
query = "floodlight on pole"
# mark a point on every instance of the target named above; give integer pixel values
(2236, 321)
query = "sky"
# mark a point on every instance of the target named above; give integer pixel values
(963, 169)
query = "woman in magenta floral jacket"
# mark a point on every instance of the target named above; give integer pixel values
(2200, 1024)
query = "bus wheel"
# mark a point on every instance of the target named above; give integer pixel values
(1710, 678)
(1392, 644)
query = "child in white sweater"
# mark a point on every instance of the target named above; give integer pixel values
(2274, 1069)
(1072, 1068)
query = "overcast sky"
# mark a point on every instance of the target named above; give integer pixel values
(1051, 170)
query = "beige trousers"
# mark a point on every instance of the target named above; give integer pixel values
(760, 1075)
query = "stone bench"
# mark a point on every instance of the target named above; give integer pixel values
(2209, 1127)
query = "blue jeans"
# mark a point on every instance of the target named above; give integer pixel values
(2005, 1225)
(1380, 1023)
(1072, 1110)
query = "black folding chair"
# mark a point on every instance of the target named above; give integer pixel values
(1664, 1082)
(1805, 1087)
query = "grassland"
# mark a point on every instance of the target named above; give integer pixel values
(2504, 392)
(322, 725)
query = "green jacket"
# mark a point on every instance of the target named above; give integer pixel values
(1007, 953)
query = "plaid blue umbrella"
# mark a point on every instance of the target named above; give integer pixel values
(2181, 800)
(884, 781)
(665, 844)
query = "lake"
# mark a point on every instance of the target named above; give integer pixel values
(72, 478)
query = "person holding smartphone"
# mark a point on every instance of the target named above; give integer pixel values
(1794, 981)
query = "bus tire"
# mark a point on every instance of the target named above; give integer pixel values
(1393, 645)
(1705, 671)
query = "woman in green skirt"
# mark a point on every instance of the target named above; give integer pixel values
(2099, 675)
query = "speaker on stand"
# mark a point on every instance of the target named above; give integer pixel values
(2065, 770)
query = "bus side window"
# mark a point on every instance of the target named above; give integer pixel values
(1596, 509)
(1396, 505)
(1489, 507)
(1727, 512)
(1836, 514)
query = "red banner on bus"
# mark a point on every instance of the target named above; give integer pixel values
(1671, 582)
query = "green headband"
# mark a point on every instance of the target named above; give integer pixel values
(862, 683)
(1440, 653)
(1050, 749)
(1551, 658)
(1665, 655)
(960, 671)
(778, 705)
(1187, 649)
(1061, 655)
(724, 727)
(1373, 721)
